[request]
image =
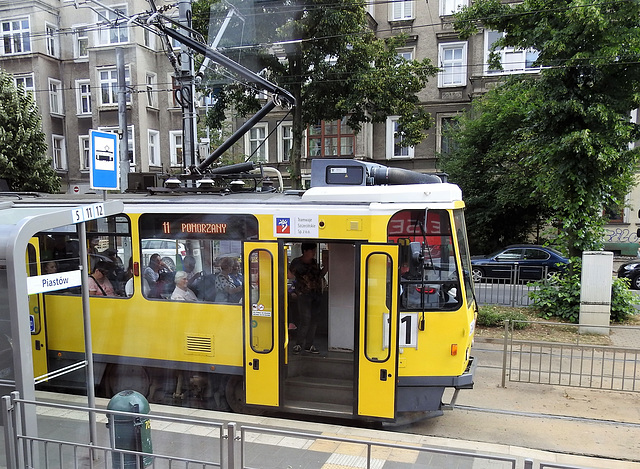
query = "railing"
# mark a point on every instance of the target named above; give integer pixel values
(230, 446)
(512, 290)
(614, 366)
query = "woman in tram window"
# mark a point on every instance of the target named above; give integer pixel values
(99, 284)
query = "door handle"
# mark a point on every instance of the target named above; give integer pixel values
(255, 364)
(384, 375)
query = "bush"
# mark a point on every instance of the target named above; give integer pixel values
(495, 316)
(560, 297)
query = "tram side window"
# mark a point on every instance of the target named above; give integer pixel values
(196, 258)
(108, 251)
(429, 275)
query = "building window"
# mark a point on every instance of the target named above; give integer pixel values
(445, 141)
(176, 155)
(285, 141)
(453, 64)
(55, 96)
(331, 138)
(85, 152)
(401, 10)
(154, 148)
(109, 86)
(26, 82)
(151, 90)
(175, 91)
(80, 42)
(83, 96)
(16, 36)
(113, 26)
(255, 143)
(512, 60)
(406, 54)
(51, 33)
(149, 39)
(449, 7)
(395, 147)
(130, 141)
(58, 152)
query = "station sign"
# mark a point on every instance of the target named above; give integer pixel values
(53, 282)
(104, 161)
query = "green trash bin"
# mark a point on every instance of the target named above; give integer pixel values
(130, 432)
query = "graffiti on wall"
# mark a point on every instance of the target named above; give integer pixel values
(620, 235)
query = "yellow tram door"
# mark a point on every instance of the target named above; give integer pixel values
(378, 331)
(261, 300)
(36, 313)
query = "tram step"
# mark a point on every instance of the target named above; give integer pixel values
(332, 366)
(318, 408)
(319, 390)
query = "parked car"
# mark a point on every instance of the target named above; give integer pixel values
(631, 270)
(533, 262)
(167, 248)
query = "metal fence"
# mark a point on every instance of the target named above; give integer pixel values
(203, 444)
(512, 288)
(573, 362)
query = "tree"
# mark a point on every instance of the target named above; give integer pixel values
(23, 147)
(503, 204)
(576, 136)
(335, 67)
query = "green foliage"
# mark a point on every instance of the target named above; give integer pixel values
(23, 147)
(503, 203)
(365, 80)
(574, 137)
(560, 297)
(495, 316)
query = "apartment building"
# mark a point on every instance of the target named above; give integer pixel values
(66, 56)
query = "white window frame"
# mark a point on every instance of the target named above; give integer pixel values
(175, 146)
(108, 35)
(285, 141)
(80, 36)
(252, 139)
(401, 10)
(153, 145)
(407, 152)
(440, 119)
(51, 39)
(449, 7)
(58, 152)
(20, 36)
(174, 85)
(55, 97)
(83, 97)
(406, 54)
(84, 151)
(22, 79)
(453, 72)
(149, 39)
(111, 82)
(151, 86)
(131, 147)
(513, 60)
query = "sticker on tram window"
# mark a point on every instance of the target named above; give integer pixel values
(407, 330)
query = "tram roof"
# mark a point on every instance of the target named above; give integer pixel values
(424, 194)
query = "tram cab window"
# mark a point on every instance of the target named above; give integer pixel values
(429, 278)
(208, 248)
(108, 243)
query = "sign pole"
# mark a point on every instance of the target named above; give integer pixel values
(86, 315)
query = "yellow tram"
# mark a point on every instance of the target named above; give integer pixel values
(397, 315)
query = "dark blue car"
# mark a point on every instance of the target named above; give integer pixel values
(520, 262)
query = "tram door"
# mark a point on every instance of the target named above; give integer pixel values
(261, 350)
(36, 313)
(378, 335)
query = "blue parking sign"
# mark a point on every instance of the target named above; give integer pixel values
(105, 164)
